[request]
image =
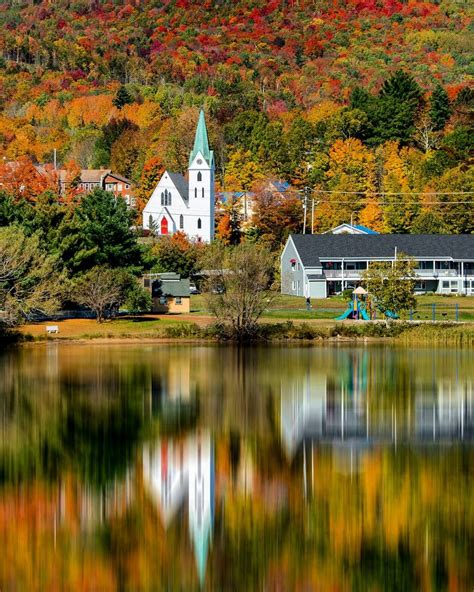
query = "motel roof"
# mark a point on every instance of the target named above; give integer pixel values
(313, 247)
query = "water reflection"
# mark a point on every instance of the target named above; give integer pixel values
(321, 406)
(181, 468)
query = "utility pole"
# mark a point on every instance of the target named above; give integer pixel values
(312, 216)
(305, 207)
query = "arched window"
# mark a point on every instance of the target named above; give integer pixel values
(199, 224)
(202, 192)
(167, 198)
(195, 192)
(199, 176)
(150, 221)
(162, 199)
(181, 221)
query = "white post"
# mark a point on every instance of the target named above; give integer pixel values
(312, 216)
(305, 204)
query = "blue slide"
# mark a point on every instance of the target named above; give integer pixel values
(390, 314)
(364, 315)
(345, 314)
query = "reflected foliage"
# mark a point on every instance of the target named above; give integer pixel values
(225, 468)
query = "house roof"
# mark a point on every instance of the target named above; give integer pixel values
(87, 175)
(313, 247)
(359, 227)
(180, 183)
(171, 287)
(281, 186)
(119, 177)
(365, 229)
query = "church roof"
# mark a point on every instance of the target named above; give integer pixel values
(201, 142)
(180, 183)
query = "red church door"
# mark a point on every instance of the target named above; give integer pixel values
(164, 226)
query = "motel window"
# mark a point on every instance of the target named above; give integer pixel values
(177, 300)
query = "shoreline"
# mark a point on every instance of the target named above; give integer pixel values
(398, 332)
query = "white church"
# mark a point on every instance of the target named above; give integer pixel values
(177, 204)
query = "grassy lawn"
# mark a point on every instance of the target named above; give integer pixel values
(144, 326)
(282, 308)
(294, 307)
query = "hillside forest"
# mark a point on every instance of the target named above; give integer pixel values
(363, 106)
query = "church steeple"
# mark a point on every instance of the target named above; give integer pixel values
(201, 142)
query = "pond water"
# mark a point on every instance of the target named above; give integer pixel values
(189, 467)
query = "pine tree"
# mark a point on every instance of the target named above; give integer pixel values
(401, 86)
(440, 108)
(123, 97)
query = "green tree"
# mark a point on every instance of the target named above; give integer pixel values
(440, 108)
(176, 253)
(428, 222)
(390, 115)
(123, 97)
(98, 232)
(111, 132)
(10, 211)
(238, 290)
(391, 285)
(453, 209)
(100, 290)
(28, 281)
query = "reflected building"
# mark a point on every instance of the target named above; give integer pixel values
(338, 410)
(322, 407)
(174, 470)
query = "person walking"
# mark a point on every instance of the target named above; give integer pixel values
(308, 303)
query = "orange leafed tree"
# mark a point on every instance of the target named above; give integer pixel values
(22, 180)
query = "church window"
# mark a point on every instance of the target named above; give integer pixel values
(162, 199)
(199, 176)
(195, 192)
(203, 192)
(181, 221)
(150, 221)
(167, 198)
(199, 224)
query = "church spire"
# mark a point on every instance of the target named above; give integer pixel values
(201, 142)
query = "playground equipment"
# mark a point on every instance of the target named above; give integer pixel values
(356, 308)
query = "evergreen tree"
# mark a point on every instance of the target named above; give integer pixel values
(391, 115)
(440, 108)
(401, 86)
(123, 97)
(98, 232)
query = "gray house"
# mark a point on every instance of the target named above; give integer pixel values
(325, 264)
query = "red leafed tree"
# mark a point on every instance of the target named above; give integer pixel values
(22, 180)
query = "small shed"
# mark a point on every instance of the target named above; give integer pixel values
(169, 292)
